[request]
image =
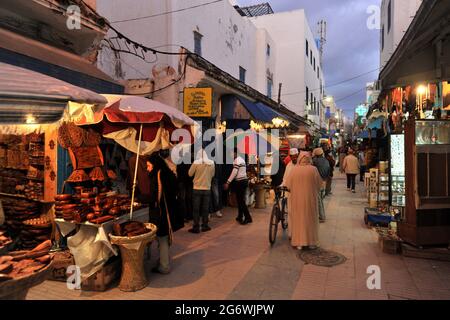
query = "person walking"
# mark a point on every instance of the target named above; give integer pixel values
(323, 167)
(342, 154)
(332, 163)
(304, 184)
(203, 172)
(240, 184)
(351, 169)
(293, 155)
(216, 203)
(164, 211)
(362, 164)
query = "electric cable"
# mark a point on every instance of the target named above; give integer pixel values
(168, 12)
(333, 85)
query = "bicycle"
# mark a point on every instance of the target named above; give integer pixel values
(279, 213)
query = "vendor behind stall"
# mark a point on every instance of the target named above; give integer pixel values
(163, 208)
(143, 180)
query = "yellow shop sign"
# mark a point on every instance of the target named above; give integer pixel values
(198, 102)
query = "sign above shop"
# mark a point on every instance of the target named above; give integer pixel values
(198, 102)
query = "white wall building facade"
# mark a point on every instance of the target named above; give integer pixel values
(265, 50)
(228, 40)
(396, 16)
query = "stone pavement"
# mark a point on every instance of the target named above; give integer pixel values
(237, 262)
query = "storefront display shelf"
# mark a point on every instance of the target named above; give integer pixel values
(23, 197)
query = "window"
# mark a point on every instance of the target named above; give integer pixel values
(307, 47)
(307, 95)
(314, 64)
(269, 87)
(242, 72)
(268, 50)
(318, 69)
(382, 38)
(389, 16)
(198, 43)
(312, 99)
(315, 104)
(310, 56)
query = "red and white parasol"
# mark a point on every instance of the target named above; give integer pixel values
(140, 125)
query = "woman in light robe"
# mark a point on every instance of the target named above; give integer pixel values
(304, 183)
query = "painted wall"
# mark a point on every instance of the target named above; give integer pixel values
(265, 63)
(152, 32)
(293, 67)
(229, 41)
(402, 14)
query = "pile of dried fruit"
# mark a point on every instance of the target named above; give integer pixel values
(18, 264)
(129, 229)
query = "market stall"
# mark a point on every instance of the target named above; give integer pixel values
(141, 126)
(411, 187)
(31, 105)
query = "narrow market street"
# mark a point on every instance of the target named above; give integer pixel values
(236, 262)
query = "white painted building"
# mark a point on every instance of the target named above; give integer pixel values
(396, 16)
(298, 62)
(262, 51)
(372, 92)
(216, 31)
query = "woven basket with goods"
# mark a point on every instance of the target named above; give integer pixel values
(132, 252)
(76, 135)
(92, 138)
(21, 270)
(63, 136)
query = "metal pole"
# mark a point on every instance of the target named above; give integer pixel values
(279, 94)
(136, 171)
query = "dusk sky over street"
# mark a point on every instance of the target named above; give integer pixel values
(352, 48)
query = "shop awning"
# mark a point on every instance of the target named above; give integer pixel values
(37, 56)
(255, 110)
(31, 97)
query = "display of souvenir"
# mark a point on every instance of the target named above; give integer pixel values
(78, 176)
(92, 138)
(19, 264)
(97, 174)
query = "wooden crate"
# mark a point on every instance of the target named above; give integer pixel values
(61, 260)
(102, 279)
(389, 245)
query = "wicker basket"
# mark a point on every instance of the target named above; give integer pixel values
(17, 289)
(133, 275)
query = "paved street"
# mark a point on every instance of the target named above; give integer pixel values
(237, 262)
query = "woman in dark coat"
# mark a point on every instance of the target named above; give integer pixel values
(163, 208)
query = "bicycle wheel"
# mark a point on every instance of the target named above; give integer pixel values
(284, 214)
(273, 226)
